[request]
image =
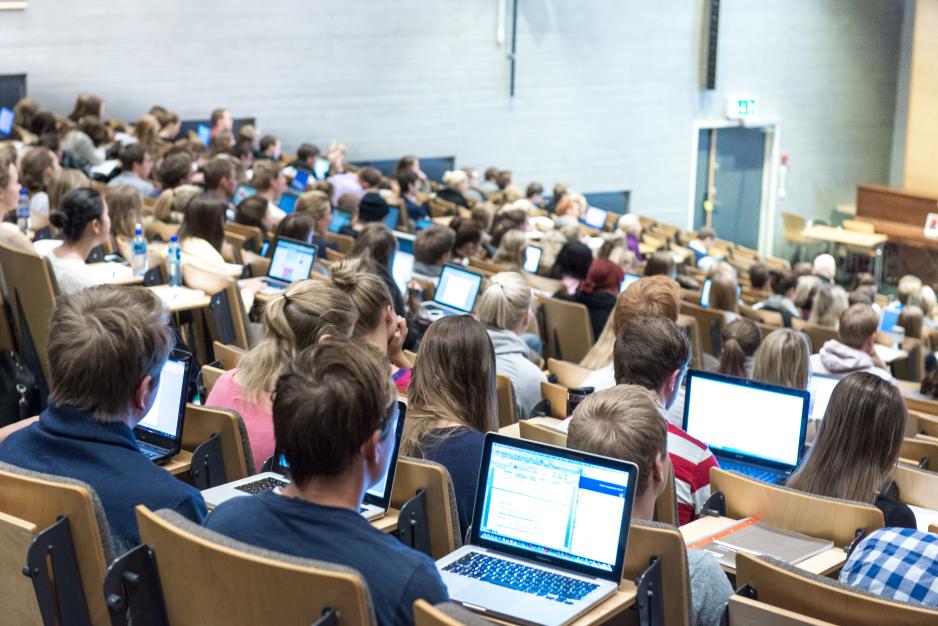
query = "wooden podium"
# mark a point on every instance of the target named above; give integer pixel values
(900, 214)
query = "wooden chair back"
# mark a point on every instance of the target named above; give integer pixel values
(568, 333)
(817, 335)
(647, 540)
(439, 207)
(568, 374)
(249, 237)
(39, 500)
(413, 475)
(536, 432)
(162, 231)
(226, 319)
(18, 602)
(557, 394)
(666, 504)
(692, 328)
(917, 486)
(922, 424)
(792, 589)
(343, 242)
(913, 366)
(448, 614)
(507, 401)
(770, 318)
(917, 449)
(204, 421)
(920, 403)
(743, 611)
(208, 578)
(227, 354)
(210, 376)
(333, 256)
(489, 266)
(823, 518)
(709, 325)
(543, 283)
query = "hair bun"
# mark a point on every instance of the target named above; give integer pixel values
(58, 219)
(344, 274)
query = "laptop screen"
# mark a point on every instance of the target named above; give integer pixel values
(746, 420)
(821, 388)
(532, 259)
(299, 180)
(291, 261)
(890, 317)
(402, 268)
(457, 288)
(6, 121)
(204, 133)
(288, 202)
(705, 293)
(243, 191)
(567, 507)
(321, 168)
(627, 280)
(405, 242)
(163, 421)
(380, 492)
(595, 217)
(340, 219)
(390, 220)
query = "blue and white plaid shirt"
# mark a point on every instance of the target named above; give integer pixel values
(896, 563)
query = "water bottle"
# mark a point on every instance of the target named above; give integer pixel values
(139, 249)
(22, 211)
(175, 262)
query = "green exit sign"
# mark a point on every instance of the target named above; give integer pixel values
(740, 107)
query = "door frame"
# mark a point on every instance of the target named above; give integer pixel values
(770, 172)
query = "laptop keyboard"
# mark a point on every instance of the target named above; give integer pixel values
(520, 577)
(151, 451)
(262, 485)
(766, 476)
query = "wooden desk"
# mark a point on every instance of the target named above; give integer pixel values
(514, 430)
(388, 522)
(179, 464)
(872, 241)
(822, 564)
(604, 611)
(179, 299)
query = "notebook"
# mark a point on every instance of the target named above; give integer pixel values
(890, 317)
(290, 261)
(548, 535)
(757, 538)
(159, 433)
(595, 218)
(532, 258)
(752, 428)
(455, 294)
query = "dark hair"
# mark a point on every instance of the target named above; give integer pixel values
(534, 189)
(783, 281)
(86, 106)
(501, 224)
(503, 179)
(251, 211)
(306, 151)
(405, 163)
(77, 209)
(328, 402)
(491, 173)
(375, 245)
(370, 175)
(741, 339)
(174, 168)
(266, 142)
(42, 123)
(299, 226)
(433, 243)
(33, 167)
(216, 171)
(466, 231)
(574, 260)
(648, 350)
(95, 130)
(406, 178)
(50, 140)
(660, 264)
(217, 114)
(758, 275)
(134, 153)
(204, 217)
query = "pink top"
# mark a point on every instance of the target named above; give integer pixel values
(259, 421)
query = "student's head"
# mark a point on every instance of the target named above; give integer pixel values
(629, 224)
(453, 381)
(490, 174)
(335, 411)
(406, 163)
(604, 276)
(125, 207)
(175, 169)
(829, 303)
(136, 158)
(43, 122)
(456, 180)
(270, 146)
(908, 286)
(23, 112)
(505, 303)
(268, 177)
(652, 352)
(298, 226)
(482, 216)
(96, 131)
(124, 332)
(661, 264)
(925, 300)
(807, 288)
(511, 249)
(862, 295)
(317, 206)
(825, 266)
(375, 246)
(307, 153)
(741, 339)
(467, 238)
(858, 443)
(222, 120)
(434, 244)
(758, 275)
(61, 183)
(653, 296)
(174, 201)
(723, 292)
(254, 211)
(220, 177)
(204, 218)
(858, 327)
(503, 179)
(369, 294)
(308, 312)
(784, 283)
(37, 167)
(783, 359)
(573, 260)
(86, 105)
(911, 319)
(369, 178)
(408, 182)
(625, 423)
(147, 130)
(82, 216)
(9, 185)
(349, 202)
(706, 235)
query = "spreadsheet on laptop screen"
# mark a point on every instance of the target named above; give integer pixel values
(163, 415)
(737, 418)
(292, 261)
(458, 289)
(554, 506)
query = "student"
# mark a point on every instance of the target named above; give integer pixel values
(467, 243)
(316, 205)
(908, 286)
(510, 252)
(202, 235)
(432, 249)
(125, 208)
(221, 178)
(37, 167)
(661, 264)
(630, 226)
(409, 184)
(9, 186)
(83, 145)
(452, 403)
(85, 224)
(136, 165)
(86, 105)
(782, 300)
(147, 132)
(305, 160)
(221, 121)
(857, 447)
(572, 264)
(599, 292)
(106, 349)
(805, 292)
(335, 412)
(505, 309)
(896, 563)
(653, 352)
(626, 423)
(308, 312)
(269, 148)
(271, 185)
(825, 268)
(254, 211)
(723, 295)
(741, 339)
(457, 184)
(783, 358)
(911, 319)
(758, 276)
(372, 207)
(854, 350)
(375, 246)
(300, 227)
(535, 194)
(174, 170)
(829, 303)
(702, 244)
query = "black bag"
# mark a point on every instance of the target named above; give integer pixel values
(19, 394)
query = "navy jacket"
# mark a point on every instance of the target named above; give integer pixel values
(72, 443)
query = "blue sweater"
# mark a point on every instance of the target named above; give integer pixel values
(461, 454)
(72, 443)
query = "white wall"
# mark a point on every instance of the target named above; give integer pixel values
(607, 89)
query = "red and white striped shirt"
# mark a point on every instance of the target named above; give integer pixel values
(692, 461)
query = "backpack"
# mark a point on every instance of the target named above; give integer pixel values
(19, 394)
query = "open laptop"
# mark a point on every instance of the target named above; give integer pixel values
(548, 536)
(390, 220)
(288, 200)
(340, 219)
(455, 294)
(890, 317)
(300, 179)
(821, 387)
(627, 280)
(159, 433)
(6, 120)
(595, 218)
(377, 498)
(204, 133)
(532, 258)
(402, 265)
(243, 191)
(290, 261)
(752, 428)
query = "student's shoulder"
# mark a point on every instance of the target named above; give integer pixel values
(234, 512)
(686, 444)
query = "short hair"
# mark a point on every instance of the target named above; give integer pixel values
(251, 211)
(33, 167)
(466, 231)
(653, 295)
(432, 244)
(217, 115)
(491, 173)
(648, 351)
(758, 275)
(265, 173)
(454, 178)
(174, 169)
(134, 153)
(505, 300)
(503, 179)
(204, 217)
(857, 324)
(298, 226)
(104, 340)
(406, 178)
(783, 281)
(266, 142)
(78, 208)
(215, 171)
(370, 175)
(533, 189)
(660, 264)
(625, 422)
(306, 151)
(825, 265)
(706, 232)
(328, 402)
(125, 208)
(908, 286)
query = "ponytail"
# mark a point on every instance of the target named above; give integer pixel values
(733, 359)
(741, 339)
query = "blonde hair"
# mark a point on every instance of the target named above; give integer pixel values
(630, 225)
(125, 207)
(924, 299)
(454, 178)
(369, 294)
(505, 301)
(306, 312)
(783, 359)
(265, 173)
(511, 249)
(147, 131)
(908, 286)
(174, 201)
(62, 182)
(829, 303)
(316, 204)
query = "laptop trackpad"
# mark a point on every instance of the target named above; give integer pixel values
(516, 604)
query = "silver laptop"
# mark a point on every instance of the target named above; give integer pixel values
(821, 387)
(752, 428)
(290, 261)
(455, 294)
(548, 536)
(159, 433)
(377, 498)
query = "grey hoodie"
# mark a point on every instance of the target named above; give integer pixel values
(837, 359)
(511, 360)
